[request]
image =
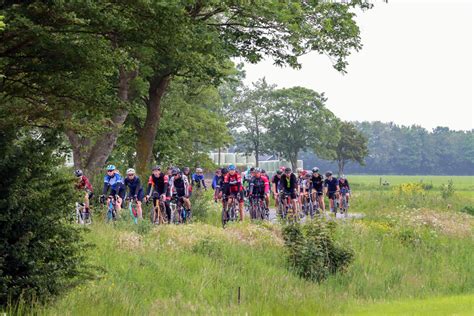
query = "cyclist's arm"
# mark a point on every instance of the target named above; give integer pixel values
(106, 188)
(150, 185)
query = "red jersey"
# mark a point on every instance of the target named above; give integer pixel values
(84, 183)
(234, 182)
(267, 183)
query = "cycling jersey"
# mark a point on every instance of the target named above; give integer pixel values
(331, 184)
(134, 185)
(267, 183)
(317, 182)
(198, 180)
(115, 183)
(288, 183)
(233, 182)
(84, 184)
(257, 185)
(344, 185)
(179, 186)
(159, 184)
(276, 181)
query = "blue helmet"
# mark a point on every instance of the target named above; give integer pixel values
(231, 167)
(110, 167)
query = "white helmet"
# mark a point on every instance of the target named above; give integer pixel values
(198, 170)
(130, 171)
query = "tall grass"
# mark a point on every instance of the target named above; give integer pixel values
(199, 268)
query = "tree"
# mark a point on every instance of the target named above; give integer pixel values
(299, 121)
(251, 111)
(40, 254)
(352, 146)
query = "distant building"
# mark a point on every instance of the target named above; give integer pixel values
(270, 163)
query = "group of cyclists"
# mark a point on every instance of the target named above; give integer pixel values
(233, 188)
(162, 187)
(288, 189)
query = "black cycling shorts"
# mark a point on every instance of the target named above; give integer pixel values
(286, 193)
(332, 195)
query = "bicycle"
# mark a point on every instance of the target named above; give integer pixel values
(157, 212)
(132, 207)
(285, 207)
(258, 207)
(345, 202)
(229, 209)
(308, 208)
(315, 203)
(111, 214)
(81, 216)
(179, 214)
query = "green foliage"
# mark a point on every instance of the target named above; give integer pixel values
(312, 251)
(41, 255)
(299, 121)
(352, 146)
(468, 209)
(447, 190)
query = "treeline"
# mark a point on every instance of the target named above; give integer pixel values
(398, 149)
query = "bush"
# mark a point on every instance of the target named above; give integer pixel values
(39, 251)
(447, 190)
(468, 209)
(312, 251)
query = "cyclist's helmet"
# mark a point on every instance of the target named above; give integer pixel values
(279, 172)
(186, 169)
(287, 169)
(299, 170)
(263, 171)
(328, 173)
(130, 171)
(224, 170)
(156, 168)
(252, 169)
(231, 167)
(315, 169)
(110, 168)
(258, 170)
(303, 172)
(198, 170)
(308, 175)
(78, 173)
(343, 177)
(175, 171)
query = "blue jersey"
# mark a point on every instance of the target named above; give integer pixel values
(115, 182)
(133, 184)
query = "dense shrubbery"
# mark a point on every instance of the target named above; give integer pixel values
(312, 252)
(39, 252)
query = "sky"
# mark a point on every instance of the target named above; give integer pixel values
(416, 67)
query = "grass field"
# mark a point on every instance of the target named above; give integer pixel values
(409, 259)
(462, 183)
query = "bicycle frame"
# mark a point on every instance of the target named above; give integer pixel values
(133, 210)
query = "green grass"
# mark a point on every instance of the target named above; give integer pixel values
(461, 183)
(409, 260)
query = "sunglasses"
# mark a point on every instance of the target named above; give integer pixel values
(130, 175)
(110, 171)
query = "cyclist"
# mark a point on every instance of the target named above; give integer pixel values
(258, 186)
(301, 178)
(288, 187)
(84, 184)
(233, 183)
(198, 179)
(114, 181)
(217, 175)
(317, 183)
(220, 188)
(331, 189)
(345, 189)
(179, 185)
(135, 190)
(187, 174)
(276, 187)
(159, 182)
(267, 188)
(246, 177)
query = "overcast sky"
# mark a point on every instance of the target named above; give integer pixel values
(415, 67)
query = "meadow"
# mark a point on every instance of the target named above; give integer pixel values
(413, 255)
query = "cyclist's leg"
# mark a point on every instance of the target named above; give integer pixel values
(322, 204)
(240, 197)
(168, 210)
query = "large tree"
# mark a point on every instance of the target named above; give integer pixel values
(352, 146)
(250, 113)
(299, 121)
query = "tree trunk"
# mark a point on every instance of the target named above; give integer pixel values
(257, 141)
(147, 133)
(219, 157)
(340, 164)
(92, 158)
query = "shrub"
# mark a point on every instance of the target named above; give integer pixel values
(312, 251)
(447, 190)
(468, 209)
(39, 252)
